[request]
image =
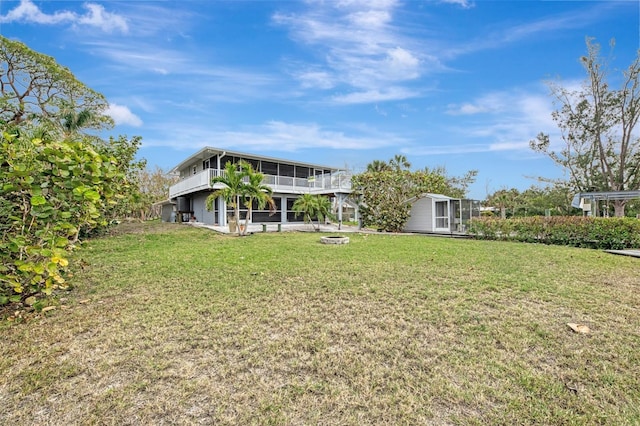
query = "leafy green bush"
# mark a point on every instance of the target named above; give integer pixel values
(592, 232)
(49, 191)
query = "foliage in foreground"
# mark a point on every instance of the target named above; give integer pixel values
(591, 232)
(50, 192)
(387, 329)
(57, 182)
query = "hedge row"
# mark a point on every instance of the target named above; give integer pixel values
(591, 232)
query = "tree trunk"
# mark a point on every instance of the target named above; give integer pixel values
(237, 214)
(246, 219)
(618, 207)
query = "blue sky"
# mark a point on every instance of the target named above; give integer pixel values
(454, 83)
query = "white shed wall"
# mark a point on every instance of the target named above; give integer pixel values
(421, 216)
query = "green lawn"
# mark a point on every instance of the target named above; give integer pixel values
(171, 324)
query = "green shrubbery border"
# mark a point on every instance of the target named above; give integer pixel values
(590, 232)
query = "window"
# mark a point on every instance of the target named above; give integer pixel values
(269, 168)
(226, 159)
(302, 172)
(287, 170)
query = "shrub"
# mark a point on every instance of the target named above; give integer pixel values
(49, 191)
(592, 232)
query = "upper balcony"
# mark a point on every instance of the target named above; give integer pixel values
(321, 184)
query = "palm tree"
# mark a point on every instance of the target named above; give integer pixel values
(233, 188)
(323, 208)
(255, 190)
(72, 121)
(399, 162)
(311, 206)
(378, 166)
(502, 199)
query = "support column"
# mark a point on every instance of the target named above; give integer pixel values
(340, 198)
(222, 212)
(283, 209)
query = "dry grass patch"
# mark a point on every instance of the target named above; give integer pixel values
(183, 326)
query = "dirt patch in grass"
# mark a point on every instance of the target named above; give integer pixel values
(184, 326)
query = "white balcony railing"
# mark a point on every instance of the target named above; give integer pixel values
(202, 181)
(198, 182)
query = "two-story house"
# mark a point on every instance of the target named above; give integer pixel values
(288, 179)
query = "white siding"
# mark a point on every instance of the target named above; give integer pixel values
(421, 216)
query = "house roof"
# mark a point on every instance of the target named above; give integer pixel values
(208, 152)
(437, 197)
(163, 203)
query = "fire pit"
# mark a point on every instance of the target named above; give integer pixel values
(334, 239)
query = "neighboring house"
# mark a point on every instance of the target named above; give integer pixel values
(441, 214)
(287, 178)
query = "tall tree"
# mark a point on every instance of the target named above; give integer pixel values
(597, 123)
(35, 88)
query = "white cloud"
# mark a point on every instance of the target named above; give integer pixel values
(122, 115)
(357, 47)
(293, 137)
(370, 18)
(373, 96)
(495, 102)
(447, 149)
(510, 118)
(530, 29)
(141, 56)
(96, 16)
(316, 79)
(465, 4)
(510, 146)
(276, 136)
(215, 83)
(26, 11)
(465, 109)
(402, 64)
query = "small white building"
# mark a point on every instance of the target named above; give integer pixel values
(441, 214)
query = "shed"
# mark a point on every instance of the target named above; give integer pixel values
(167, 210)
(441, 214)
